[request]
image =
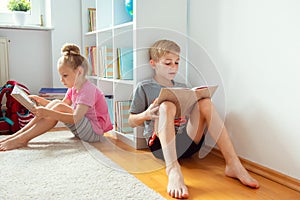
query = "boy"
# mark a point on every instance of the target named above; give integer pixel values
(169, 143)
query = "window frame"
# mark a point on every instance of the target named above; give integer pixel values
(33, 16)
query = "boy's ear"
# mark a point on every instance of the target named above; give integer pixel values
(152, 63)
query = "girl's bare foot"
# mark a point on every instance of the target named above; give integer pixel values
(176, 187)
(11, 144)
(7, 138)
(237, 170)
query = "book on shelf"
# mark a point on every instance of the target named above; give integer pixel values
(106, 62)
(110, 106)
(122, 111)
(91, 55)
(53, 93)
(92, 19)
(22, 98)
(125, 63)
(185, 98)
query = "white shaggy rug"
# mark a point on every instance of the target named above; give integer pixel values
(58, 166)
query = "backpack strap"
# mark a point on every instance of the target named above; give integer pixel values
(13, 83)
(10, 122)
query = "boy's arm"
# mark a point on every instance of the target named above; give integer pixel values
(135, 120)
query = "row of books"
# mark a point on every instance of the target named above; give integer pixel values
(119, 113)
(92, 19)
(105, 69)
(124, 63)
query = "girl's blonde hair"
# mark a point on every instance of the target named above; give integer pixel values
(71, 56)
(161, 47)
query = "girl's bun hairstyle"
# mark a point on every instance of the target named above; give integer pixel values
(70, 50)
(71, 56)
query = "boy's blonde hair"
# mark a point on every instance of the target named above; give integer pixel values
(71, 56)
(161, 47)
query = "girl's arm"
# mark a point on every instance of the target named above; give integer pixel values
(135, 120)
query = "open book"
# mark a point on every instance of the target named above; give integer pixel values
(185, 98)
(22, 98)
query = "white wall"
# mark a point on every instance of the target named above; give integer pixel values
(66, 20)
(255, 46)
(29, 57)
(33, 54)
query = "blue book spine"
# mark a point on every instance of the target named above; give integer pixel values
(126, 63)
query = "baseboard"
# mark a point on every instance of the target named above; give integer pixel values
(266, 172)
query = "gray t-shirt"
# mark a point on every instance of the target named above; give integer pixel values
(145, 93)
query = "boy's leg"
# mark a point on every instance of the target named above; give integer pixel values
(166, 133)
(209, 117)
(41, 126)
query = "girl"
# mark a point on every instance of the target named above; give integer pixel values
(83, 110)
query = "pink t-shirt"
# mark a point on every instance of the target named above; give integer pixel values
(97, 113)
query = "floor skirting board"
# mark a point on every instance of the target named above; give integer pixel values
(266, 172)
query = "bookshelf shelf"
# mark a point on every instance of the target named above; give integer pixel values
(127, 24)
(116, 29)
(91, 33)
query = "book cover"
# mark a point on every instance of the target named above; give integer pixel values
(91, 19)
(107, 55)
(109, 101)
(126, 63)
(185, 98)
(118, 64)
(53, 93)
(91, 55)
(22, 98)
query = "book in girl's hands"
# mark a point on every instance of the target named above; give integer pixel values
(22, 98)
(184, 98)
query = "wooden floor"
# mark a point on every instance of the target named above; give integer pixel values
(204, 177)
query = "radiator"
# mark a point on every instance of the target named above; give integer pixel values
(4, 75)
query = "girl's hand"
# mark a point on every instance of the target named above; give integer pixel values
(152, 111)
(35, 98)
(41, 112)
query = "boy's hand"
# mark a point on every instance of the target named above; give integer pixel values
(152, 111)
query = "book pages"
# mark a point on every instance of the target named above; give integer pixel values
(22, 98)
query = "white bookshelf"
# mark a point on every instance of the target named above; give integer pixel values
(115, 28)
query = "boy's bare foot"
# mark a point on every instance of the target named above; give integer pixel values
(237, 170)
(176, 187)
(11, 144)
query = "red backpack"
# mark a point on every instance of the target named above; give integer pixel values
(14, 116)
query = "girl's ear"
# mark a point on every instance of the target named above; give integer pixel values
(80, 70)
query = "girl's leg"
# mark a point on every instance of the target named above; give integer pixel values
(26, 127)
(22, 139)
(166, 133)
(210, 117)
(33, 130)
(31, 123)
